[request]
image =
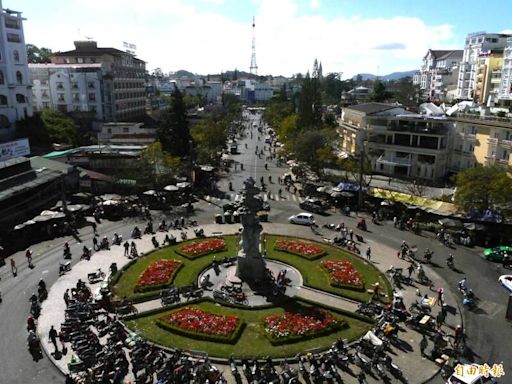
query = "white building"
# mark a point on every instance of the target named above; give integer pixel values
(126, 134)
(505, 91)
(438, 74)
(68, 88)
(475, 44)
(15, 83)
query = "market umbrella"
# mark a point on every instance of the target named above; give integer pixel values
(19, 226)
(42, 218)
(74, 207)
(387, 203)
(151, 192)
(171, 188)
(111, 196)
(111, 202)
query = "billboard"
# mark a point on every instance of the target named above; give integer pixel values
(14, 149)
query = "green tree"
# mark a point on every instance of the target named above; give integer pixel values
(210, 136)
(315, 148)
(37, 55)
(379, 91)
(61, 128)
(158, 168)
(173, 131)
(483, 188)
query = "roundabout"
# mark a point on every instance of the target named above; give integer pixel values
(248, 295)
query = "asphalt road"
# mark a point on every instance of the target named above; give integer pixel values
(489, 334)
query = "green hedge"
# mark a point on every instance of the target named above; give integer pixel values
(203, 336)
(157, 287)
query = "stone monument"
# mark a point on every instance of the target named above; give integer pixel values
(251, 267)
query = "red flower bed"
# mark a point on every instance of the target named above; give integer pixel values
(292, 326)
(199, 248)
(300, 248)
(197, 323)
(343, 274)
(157, 274)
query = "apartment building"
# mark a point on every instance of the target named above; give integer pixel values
(481, 140)
(123, 88)
(68, 88)
(397, 143)
(15, 83)
(437, 78)
(488, 77)
(475, 44)
(505, 91)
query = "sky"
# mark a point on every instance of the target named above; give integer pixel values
(210, 36)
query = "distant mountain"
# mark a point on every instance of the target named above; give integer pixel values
(183, 72)
(391, 76)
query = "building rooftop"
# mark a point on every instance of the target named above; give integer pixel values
(369, 108)
(90, 48)
(440, 54)
(56, 66)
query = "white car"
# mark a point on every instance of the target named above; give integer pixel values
(506, 281)
(302, 218)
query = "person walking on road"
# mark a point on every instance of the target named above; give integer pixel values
(410, 270)
(66, 297)
(95, 229)
(14, 269)
(440, 297)
(95, 243)
(126, 248)
(53, 338)
(28, 255)
(423, 345)
(369, 254)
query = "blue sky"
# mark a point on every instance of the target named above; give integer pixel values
(207, 36)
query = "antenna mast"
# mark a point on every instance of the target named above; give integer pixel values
(254, 68)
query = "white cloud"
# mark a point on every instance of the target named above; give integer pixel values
(176, 34)
(314, 4)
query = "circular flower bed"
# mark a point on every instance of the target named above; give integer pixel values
(196, 323)
(290, 326)
(343, 274)
(300, 248)
(194, 249)
(157, 275)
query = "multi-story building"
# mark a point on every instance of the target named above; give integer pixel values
(397, 143)
(482, 140)
(505, 92)
(15, 83)
(475, 44)
(126, 134)
(124, 92)
(438, 74)
(68, 88)
(488, 76)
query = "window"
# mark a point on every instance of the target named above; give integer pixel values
(74, 85)
(3, 100)
(80, 60)
(90, 85)
(13, 38)
(60, 97)
(506, 155)
(4, 122)
(126, 130)
(16, 56)
(60, 85)
(93, 60)
(76, 97)
(19, 78)
(20, 98)
(2, 80)
(92, 97)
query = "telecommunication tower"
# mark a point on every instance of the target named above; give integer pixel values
(254, 68)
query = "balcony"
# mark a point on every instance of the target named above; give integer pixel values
(506, 144)
(492, 141)
(470, 137)
(393, 160)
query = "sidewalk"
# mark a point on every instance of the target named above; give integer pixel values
(415, 367)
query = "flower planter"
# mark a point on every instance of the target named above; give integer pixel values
(300, 248)
(157, 275)
(197, 248)
(342, 274)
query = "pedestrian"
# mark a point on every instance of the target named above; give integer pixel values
(242, 166)
(53, 338)
(95, 243)
(389, 181)
(95, 228)
(440, 318)
(423, 345)
(351, 234)
(14, 269)
(369, 254)
(66, 297)
(126, 248)
(278, 179)
(395, 221)
(376, 290)
(410, 269)
(440, 297)
(458, 334)
(28, 255)
(69, 379)
(182, 222)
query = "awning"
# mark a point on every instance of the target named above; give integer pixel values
(171, 188)
(184, 184)
(451, 223)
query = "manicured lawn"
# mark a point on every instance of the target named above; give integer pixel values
(316, 277)
(252, 343)
(186, 275)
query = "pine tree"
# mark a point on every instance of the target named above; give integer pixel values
(173, 132)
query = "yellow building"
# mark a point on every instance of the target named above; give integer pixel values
(488, 76)
(481, 141)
